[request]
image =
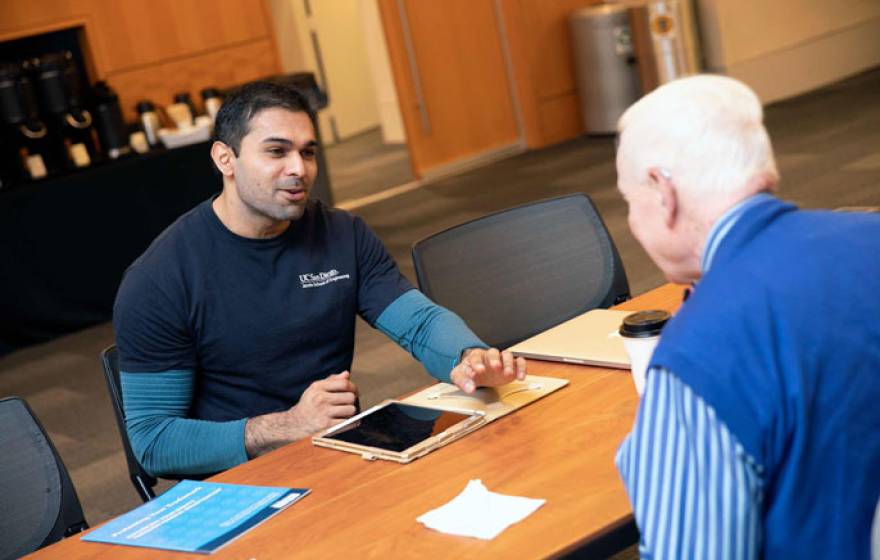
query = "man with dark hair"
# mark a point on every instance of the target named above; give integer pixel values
(232, 123)
(235, 328)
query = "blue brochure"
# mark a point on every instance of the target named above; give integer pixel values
(196, 516)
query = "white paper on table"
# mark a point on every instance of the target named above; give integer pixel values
(477, 512)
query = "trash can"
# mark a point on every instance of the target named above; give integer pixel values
(665, 40)
(605, 65)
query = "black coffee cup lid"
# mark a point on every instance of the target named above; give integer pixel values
(145, 106)
(644, 324)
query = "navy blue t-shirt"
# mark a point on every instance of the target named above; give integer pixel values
(257, 320)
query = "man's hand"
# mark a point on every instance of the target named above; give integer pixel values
(487, 368)
(323, 404)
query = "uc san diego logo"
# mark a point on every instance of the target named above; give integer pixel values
(316, 280)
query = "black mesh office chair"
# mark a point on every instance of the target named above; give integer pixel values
(142, 480)
(38, 501)
(515, 273)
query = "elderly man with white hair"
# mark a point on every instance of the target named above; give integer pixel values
(759, 431)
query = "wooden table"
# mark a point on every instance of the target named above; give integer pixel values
(560, 448)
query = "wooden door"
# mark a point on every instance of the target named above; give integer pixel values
(451, 70)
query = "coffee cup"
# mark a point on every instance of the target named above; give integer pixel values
(641, 332)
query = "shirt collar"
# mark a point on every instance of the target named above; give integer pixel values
(723, 226)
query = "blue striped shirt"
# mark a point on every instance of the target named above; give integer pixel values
(695, 492)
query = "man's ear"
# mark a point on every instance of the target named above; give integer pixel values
(224, 158)
(664, 186)
(762, 182)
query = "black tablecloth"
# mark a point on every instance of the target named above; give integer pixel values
(65, 242)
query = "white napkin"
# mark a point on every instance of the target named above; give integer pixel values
(476, 512)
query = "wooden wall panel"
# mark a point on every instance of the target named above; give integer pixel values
(560, 119)
(17, 16)
(458, 52)
(139, 33)
(541, 52)
(550, 44)
(220, 67)
(519, 46)
(446, 36)
(154, 49)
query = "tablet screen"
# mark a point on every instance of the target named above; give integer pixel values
(397, 426)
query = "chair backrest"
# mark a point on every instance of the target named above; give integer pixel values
(142, 480)
(518, 272)
(39, 503)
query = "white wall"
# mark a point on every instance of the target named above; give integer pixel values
(287, 35)
(340, 37)
(785, 47)
(380, 71)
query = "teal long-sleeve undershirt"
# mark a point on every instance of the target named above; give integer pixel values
(166, 442)
(434, 336)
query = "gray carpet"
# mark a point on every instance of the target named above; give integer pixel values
(828, 146)
(362, 165)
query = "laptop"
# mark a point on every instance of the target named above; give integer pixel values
(589, 339)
